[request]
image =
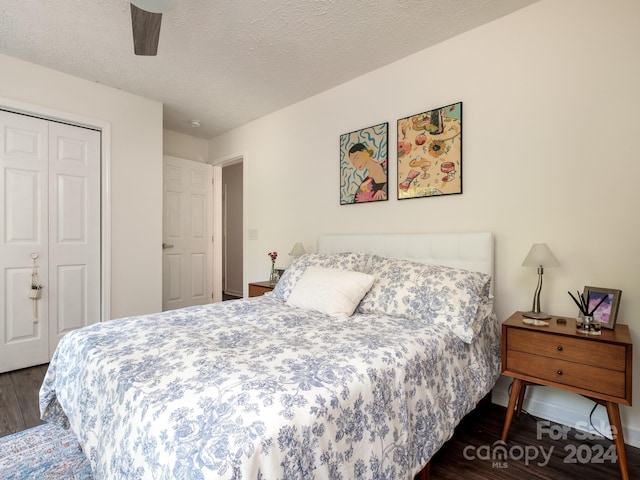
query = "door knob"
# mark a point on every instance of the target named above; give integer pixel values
(166, 245)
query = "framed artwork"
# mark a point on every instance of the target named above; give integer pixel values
(607, 301)
(363, 165)
(430, 153)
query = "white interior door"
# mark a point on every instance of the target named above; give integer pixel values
(24, 154)
(74, 229)
(187, 277)
(49, 208)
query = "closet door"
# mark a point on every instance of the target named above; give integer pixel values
(24, 154)
(74, 229)
(49, 208)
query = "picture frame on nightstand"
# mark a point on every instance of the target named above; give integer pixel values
(607, 312)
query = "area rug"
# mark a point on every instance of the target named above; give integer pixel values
(45, 452)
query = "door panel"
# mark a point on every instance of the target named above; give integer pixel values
(72, 294)
(24, 332)
(172, 278)
(198, 278)
(74, 244)
(18, 307)
(23, 206)
(187, 249)
(72, 213)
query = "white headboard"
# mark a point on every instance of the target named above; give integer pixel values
(470, 251)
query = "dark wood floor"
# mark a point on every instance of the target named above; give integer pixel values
(19, 408)
(463, 457)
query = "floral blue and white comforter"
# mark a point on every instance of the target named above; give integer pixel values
(256, 389)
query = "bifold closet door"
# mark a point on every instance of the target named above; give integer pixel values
(24, 158)
(49, 209)
(74, 229)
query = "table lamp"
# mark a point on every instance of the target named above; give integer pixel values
(539, 256)
(297, 250)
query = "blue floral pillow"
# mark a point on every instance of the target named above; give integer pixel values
(341, 261)
(434, 293)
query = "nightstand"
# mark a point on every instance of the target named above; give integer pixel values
(260, 288)
(597, 367)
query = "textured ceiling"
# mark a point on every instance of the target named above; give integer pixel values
(226, 62)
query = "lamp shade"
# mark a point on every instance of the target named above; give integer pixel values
(297, 250)
(540, 255)
(155, 6)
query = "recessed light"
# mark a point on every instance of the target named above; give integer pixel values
(195, 123)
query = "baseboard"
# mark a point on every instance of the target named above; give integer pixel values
(233, 293)
(563, 408)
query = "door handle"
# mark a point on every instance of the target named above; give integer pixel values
(166, 245)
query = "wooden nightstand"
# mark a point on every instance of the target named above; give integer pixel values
(259, 288)
(598, 367)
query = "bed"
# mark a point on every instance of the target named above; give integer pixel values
(337, 374)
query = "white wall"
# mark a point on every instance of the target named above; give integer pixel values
(550, 101)
(179, 145)
(136, 172)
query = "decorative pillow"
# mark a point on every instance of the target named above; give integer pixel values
(485, 310)
(445, 295)
(341, 261)
(330, 291)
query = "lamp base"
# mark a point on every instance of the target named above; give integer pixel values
(537, 315)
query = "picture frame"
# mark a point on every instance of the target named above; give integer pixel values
(430, 153)
(607, 312)
(364, 174)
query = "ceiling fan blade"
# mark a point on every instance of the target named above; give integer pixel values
(146, 31)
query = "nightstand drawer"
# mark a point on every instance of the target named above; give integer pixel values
(595, 379)
(584, 351)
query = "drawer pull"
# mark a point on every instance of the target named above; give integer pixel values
(559, 372)
(559, 348)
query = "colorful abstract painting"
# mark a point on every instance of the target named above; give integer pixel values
(430, 153)
(363, 165)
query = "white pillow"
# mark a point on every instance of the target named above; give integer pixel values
(333, 292)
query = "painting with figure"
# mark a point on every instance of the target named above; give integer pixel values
(430, 153)
(363, 165)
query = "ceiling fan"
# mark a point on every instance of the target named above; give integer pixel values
(146, 17)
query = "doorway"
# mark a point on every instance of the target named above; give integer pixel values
(237, 263)
(232, 241)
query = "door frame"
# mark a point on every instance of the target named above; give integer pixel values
(105, 183)
(218, 164)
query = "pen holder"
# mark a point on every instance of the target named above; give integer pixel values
(586, 324)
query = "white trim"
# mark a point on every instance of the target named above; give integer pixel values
(105, 201)
(233, 293)
(225, 216)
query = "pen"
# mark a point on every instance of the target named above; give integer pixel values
(577, 303)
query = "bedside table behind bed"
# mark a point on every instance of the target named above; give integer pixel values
(597, 367)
